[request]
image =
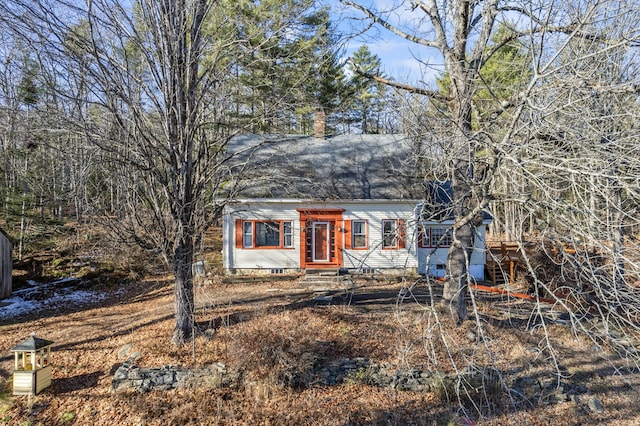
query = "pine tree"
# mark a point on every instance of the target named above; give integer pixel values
(368, 96)
(286, 66)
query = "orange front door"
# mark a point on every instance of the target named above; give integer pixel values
(321, 238)
(321, 244)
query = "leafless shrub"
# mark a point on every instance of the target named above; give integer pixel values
(281, 349)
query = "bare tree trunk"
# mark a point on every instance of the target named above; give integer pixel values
(617, 236)
(454, 295)
(23, 211)
(184, 296)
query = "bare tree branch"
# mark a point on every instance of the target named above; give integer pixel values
(408, 88)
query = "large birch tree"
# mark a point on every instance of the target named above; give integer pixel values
(503, 136)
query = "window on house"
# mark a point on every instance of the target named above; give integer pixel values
(389, 239)
(273, 234)
(424, 237)
(441, 237)
(247, 234)
(287, 234)
(359, 234)
(267, 234)
(434, 237)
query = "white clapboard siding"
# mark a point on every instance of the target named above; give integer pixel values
(438, 257)
(372, 212)
(375, 257)
(234, 258)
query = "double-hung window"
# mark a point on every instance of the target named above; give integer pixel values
(389, 233)
(247, 234)
(287, 234)
(393, 234)
(358, 234)
(267, 234)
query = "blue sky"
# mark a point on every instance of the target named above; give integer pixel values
(402, 60)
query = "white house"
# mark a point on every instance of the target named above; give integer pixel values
(276, 235)
(351, 202)
(433, 240)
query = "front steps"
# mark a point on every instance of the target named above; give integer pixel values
(326, 280)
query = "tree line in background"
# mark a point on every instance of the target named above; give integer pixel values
(125, 109)
(281, 59)
(122, 110)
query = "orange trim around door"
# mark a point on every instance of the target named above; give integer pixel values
(321, 238)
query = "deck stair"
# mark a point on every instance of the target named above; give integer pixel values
(503, 259)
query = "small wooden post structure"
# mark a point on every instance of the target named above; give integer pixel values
(32, 372)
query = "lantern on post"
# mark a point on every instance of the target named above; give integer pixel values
(32, 370)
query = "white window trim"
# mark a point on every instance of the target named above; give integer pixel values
(433, 242)
(363, 234)
(247, 231)
(394, 234)
(287, 234)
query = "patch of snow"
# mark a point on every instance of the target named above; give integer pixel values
(29, 300)
(16, 306)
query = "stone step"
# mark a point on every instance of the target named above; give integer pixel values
(330, 272)
(321, 277)
(320, 281)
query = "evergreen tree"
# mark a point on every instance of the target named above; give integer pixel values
(286, 66)
(28, 90)
(367, 102)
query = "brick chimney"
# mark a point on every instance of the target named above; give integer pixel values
(319, 122)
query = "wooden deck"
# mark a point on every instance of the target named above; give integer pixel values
(503, 259)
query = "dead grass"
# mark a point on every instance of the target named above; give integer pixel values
(274, 334)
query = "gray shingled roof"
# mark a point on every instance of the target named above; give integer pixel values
(32, 344)
(340, 167)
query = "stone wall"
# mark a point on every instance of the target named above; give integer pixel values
(328, 373)
(470, 384)
(130, 376)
